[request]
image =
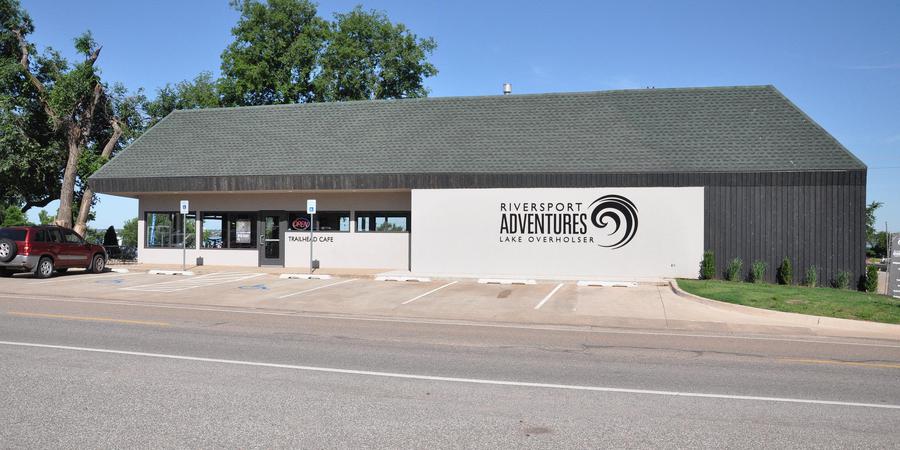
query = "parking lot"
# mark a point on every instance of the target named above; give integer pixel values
(645, 305)
(543, 302)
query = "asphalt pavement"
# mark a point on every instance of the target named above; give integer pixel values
(111, 375)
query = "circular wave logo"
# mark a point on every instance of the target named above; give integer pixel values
(618, 212)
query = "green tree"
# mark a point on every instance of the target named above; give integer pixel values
(11, 216)
(129, 233)
(368, 57)
(283, 52)
(30, 156)
(59, 121)
(45, 218)
(871, 238)
(275, 52)
(879, 244)
(201, 92)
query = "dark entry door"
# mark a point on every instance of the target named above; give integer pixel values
(271, 237)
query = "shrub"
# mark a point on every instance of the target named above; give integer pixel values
(785, 272)
(812, 276)
(110, 237)
(758, 271)
(842, 280)
(708, 266)
(871, 284)
(733, 272)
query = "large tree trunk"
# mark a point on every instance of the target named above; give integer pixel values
(67, 192)
(87, 197)
(84, 211)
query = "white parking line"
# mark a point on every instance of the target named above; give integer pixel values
(317, 288)
(194, 282)
(82, 277)
(558, 287)
(407, 376)
(429, 292)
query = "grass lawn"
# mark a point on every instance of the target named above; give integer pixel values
(828, 302)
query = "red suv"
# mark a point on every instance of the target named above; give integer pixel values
(42, 250)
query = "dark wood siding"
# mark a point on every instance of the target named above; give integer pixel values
(461, 180)
(815, 218)
(821, 224)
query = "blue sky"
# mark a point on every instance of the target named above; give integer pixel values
(839, 61)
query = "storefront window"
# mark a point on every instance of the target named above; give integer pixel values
(325, 221)
(228, 230)
(212, 228)
(384, 222)
(164, 230)
(241, 230)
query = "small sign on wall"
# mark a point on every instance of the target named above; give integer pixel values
(311, 206)
(185, 207)
(893, 263)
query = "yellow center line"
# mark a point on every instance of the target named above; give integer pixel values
(841, 363)
(86, 319)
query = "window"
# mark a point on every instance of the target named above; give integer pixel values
(15, 235)
(72, 238)
(164, 230)
(212, 226)
(325, 221)
(55, 235)
(41, 236)
(384, 222)
(228, 230)
(241, 230)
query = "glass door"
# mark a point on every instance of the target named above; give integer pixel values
(271, 237)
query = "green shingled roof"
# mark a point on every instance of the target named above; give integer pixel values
(720, 129)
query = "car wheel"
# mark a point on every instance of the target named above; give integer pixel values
(99, 264)
(63, 270)
(7, 249)
(44, 268)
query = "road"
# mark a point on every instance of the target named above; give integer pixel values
(117, 374)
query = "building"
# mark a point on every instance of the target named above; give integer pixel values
(615, 184)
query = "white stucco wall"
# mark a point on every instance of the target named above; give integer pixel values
(461, 232)
(345, 250)
(357, 250)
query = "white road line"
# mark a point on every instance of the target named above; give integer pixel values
(558, 287)
(317, 288)
(429, 292)
(407, 376)
(447, 322)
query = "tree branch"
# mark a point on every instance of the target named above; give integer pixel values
(87, 123)
(94, 55)
(111, 143)
(38, 203)
(42, 92)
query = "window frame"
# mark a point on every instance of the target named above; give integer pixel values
(227, 217)
(254, 230)
(372, 215)
(295, 215)
(175, 220)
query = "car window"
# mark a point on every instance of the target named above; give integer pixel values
(54, 235)
(71, 237)
(41, 236)
(9, 233)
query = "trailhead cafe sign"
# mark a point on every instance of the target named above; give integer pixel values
(602, 232)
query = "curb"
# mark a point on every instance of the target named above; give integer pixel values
(811, 321)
